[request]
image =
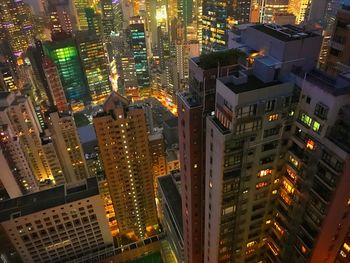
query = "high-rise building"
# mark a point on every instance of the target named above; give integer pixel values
(18, 179)
(15, 17)
(270, 7)
(18, 113)
(64, 54)
(95, 65)
(60, 224)
(66, 140)
(197, 154)
(7, 78)
(193, 106)
(121, 132)
(139, 50)
(107, 20)
(55, 85)
(313, 202)
(338, 59)
(93, 21)
(214, 19)
(299, 8)
(170, 214)
(80, 14)
(157, 154)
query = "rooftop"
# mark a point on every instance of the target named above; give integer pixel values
(39, 201)
(220, 58)
(190, 100)
(284, 33)
(253, 83)
(325, 82)
(173, 199)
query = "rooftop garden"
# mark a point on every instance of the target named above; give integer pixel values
(221, 58)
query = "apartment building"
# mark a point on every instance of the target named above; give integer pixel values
(122, 137)
(58, 224)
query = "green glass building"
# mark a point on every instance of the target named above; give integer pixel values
(95, 65)
(139, 50)
(64, 54)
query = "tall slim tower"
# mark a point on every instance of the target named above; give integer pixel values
(139, 50)
(68, 147)
(121, 132)
(95, 65)
(18, 112)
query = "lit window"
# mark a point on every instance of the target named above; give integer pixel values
(261, 185)
(291, 174)
(291, 113)
(228, 210)
(278, 228)
(251, 244)
(285, 197)
(303, 249)
(316, 126)
(310, 144)
(347, 247)
(306, 119)
(265, 172)
(274, 192)
(288, 186)
(273, 117)
(268, 222)
(342, 253)
(195, 165)
(210, 184)
(294, 161)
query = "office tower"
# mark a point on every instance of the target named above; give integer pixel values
(93, 21)
(80, 14)
(171, 214)
(193, 106)
(157, 154)
(183, 54)
(128, 71)
(65, 223)
(61, 16)
(299, 8)
(313, 201)
(64, 54)
(214, 19)
(15, 18)
(55, 85)
(107, 19)
(123, 142)
(270, 7)
(67, 143)
(338, 59)
(8, 81)
(18, 178)
(139, 50)
(18, 112)
(95, 65)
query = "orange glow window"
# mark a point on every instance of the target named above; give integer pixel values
(310, 144)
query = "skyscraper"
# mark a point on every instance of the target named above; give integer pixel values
(64, 54)
(66, 140)
(18, 179)
(139, 50)
(269, 7)
(80, 14)
(18, 112)
(95, 65)
(55, 85)
(122, 138)
(15, 18)
(299, 8)
(193, 107)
